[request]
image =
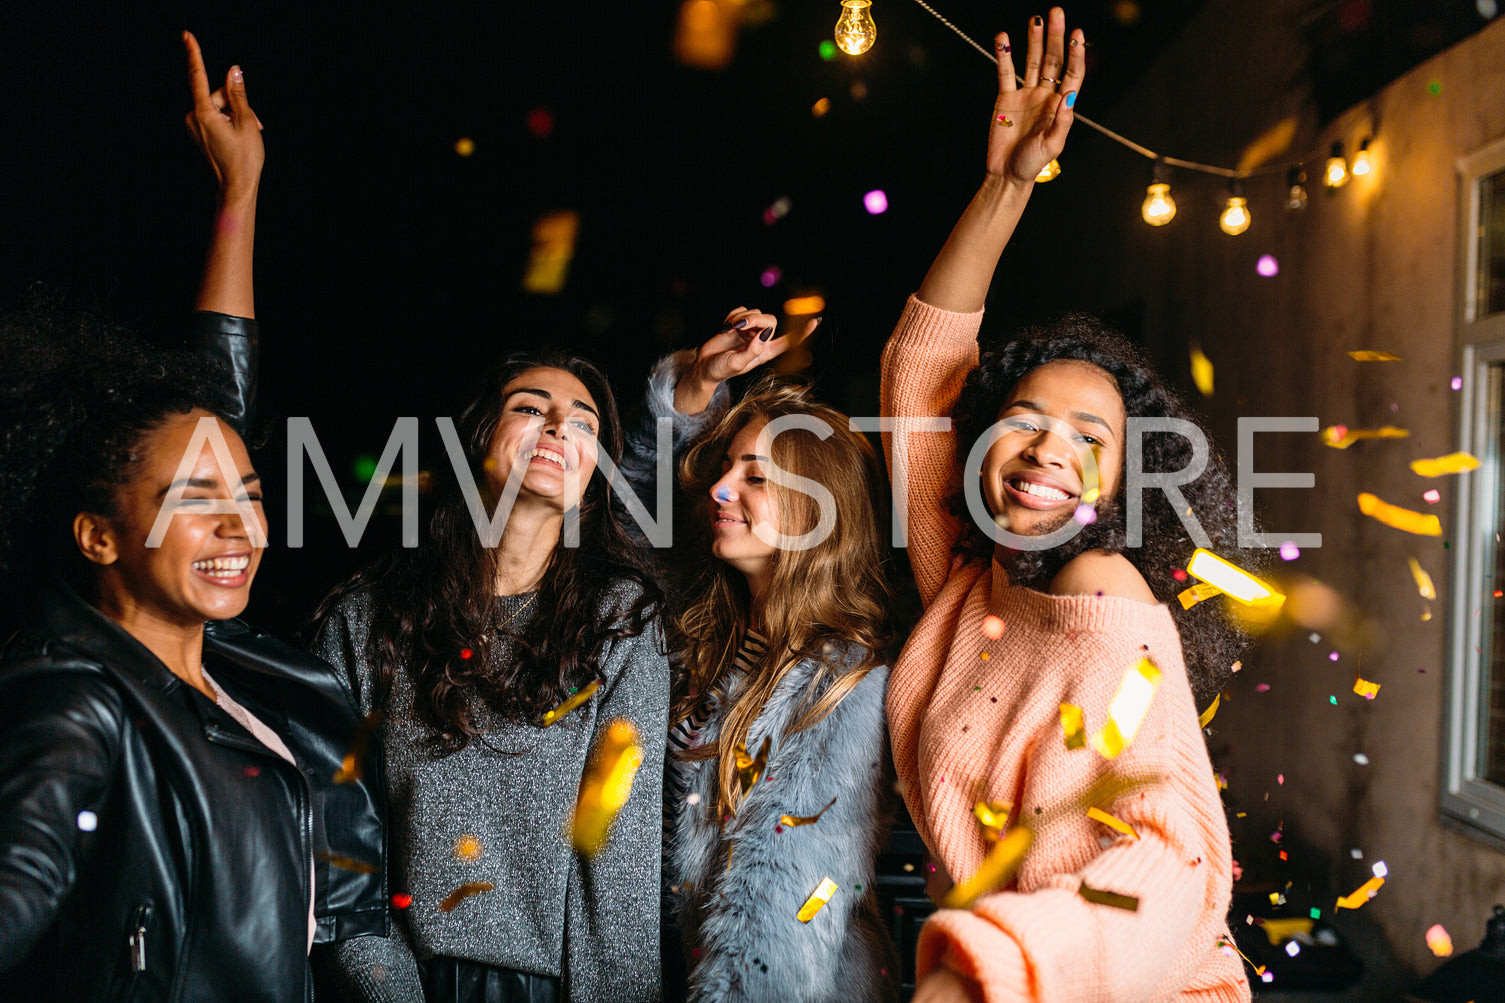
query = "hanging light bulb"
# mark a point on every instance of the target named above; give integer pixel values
(1335, 174)
(1235, 218)
(1049, 172)
(1361, 160)
(1158, 208)
(855, 30)
(1296, 197)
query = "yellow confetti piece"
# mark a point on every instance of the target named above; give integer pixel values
(1206, 716)
(1098, 815)
(468, 848)
(1441, 466)
(1000, 865)
(1365, 688)
(1399, 518)
(1072, 727)
(993, 816)
(1128, 709)
(350, 766)
(1111, 788)
(1278, 931)
(1258, 969)
(1201, 371)
(345, 863)
(750, 769)
(1232, 579)
(1423, 580)
(579, 698)
(465, 891)
(1361, 894)
(605, 787)
(1370, 355)
(793, 820)
(1198, 593)
(1341, 436)
(1438, 941)
(817, 900)
(1113, 899)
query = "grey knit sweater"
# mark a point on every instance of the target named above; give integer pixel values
(497, 812)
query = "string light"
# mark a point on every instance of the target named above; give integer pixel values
(1335, 174)
(1361, 160)
(1158, 208)
(1235, 219)
(1049, 172)
(855, 30)
(1296, 196)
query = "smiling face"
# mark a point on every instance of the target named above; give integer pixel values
(742, 499)
(204, 567)
(546, 435)
(1033, 472)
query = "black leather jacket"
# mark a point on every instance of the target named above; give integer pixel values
(150, 847)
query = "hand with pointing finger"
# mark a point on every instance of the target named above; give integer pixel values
(224, 127)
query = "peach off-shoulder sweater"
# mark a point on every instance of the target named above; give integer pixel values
(977, 719)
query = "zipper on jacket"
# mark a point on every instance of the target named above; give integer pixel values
(137, 939)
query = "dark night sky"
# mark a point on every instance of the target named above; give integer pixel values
(388, 267)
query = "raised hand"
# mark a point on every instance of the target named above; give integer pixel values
(745, 341)
(1030, 121)
(224, 127)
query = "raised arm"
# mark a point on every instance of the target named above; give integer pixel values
(934, 346)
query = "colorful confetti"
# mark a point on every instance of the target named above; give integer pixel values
(1072, 727)
(1232, 579)
(1423, 580)
(350, 766)
(993, 816)
(1441, 466)
(584, 694)
(1365, 688)
(1431, 496)
(750, 769)
(1373, 356)
(605, 787)
(1399, 518)
(345, 863)
(1289, 551)
(401, 900)
(1098, 815)
(87, 821)
(1128, 709)
(465, 891)
(468, 848)
(793, 820)
(1000, 865)
(1438, 941)
(1201, 371)
(1341, 436)
(1197, 593)
(817, 900)
(1113, 899)
(993, 627)
(1362, 894)
(1206, 716)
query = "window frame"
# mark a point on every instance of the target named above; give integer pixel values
(1472, 801)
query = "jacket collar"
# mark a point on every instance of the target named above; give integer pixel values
(68, 619)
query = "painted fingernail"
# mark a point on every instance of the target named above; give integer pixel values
(1008, 48)
(740, 324)
(1073, 43)
(1037, 20)
(767, 333)
(1071, 100)
(237, 76)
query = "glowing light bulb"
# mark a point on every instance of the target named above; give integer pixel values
(1235, 218)
(1159, 208)
(1296, 197)
(1335, 174)
(855, 30)
(1361, 161)
(1049, 172)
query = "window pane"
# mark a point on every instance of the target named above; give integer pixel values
(1492, 675)
(1491, 278)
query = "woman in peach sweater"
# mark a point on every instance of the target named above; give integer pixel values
(1017, 625)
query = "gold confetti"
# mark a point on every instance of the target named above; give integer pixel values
(579, 698)
(805, 819)
(1232, 579)
(1201, 371)
(1000, 865)
(993, 816)
(1072, 727)
(1365, 688)
(464, 892)
(1278, 931)
(1369, 355)
(750, 769)
(817, 900)
(1206, 716)
(1110, 788)
(1197, 593)
(350, 766)
(1097, 814)
(1361, 894)
(1441, 466)
(1423, 580)
(1399, 518)
(1128, 709)
(605, 786)
(1438, 941)
(345, 863)
(468, 848)
(1258, 969)
(1113, 899)
(1341, 436)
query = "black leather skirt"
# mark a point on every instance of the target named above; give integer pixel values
(455, 980)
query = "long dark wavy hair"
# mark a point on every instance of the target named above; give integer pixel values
(1210, 640)
(435, 602)
(78, 399)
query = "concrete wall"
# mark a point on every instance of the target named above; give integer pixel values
(1373, 265)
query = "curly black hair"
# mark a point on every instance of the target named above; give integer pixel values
(78, 396)
(1210, 640)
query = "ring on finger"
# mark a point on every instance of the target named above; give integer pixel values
(1049, 80)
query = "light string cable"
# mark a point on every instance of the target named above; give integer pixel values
(1143, 151)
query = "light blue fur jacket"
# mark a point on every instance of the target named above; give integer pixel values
(737, 888)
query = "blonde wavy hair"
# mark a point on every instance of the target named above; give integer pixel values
(819, 601)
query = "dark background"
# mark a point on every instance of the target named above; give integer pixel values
(388, 267)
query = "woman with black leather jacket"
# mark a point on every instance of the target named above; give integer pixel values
(183, 809)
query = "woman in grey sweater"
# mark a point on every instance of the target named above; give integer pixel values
(461, 649)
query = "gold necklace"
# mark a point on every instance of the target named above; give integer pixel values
(491, 634)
